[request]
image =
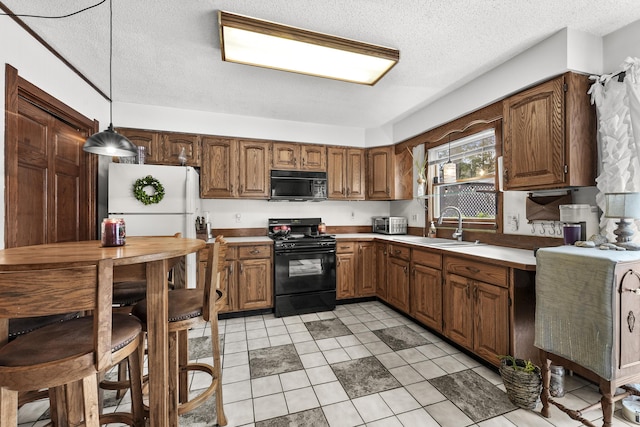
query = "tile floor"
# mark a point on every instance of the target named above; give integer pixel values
(362, 364)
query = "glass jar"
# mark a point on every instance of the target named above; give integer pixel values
(556, 381)
(113, 232)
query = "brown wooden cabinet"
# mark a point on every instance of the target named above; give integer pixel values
(398, 264)
(345, 270)
(367, 269)
(289, 155)
(174, 143)
(381, 270)
(476, 307)
(388, 175)
(163, 148)
(247, 277)
(550, 135)
(426, 288)
(346, 173)
(232, 168)
(253, 169)
(148, 139)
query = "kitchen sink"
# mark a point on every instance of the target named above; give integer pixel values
(436, 242)
(454, 243)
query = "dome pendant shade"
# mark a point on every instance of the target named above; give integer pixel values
(110, 143)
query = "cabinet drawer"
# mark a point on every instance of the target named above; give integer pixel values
(345, 247)
(430, 259)
(258, 251)
(402, 252)
(489, 273)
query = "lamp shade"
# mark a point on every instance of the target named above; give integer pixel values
(449, 173)
(110, 143)
(622, 205)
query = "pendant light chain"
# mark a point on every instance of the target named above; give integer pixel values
(111, 63)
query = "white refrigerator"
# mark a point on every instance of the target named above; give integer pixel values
(176, 212)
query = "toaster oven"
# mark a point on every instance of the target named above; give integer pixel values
(390, 225)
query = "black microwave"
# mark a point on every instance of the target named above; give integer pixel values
(298, 185)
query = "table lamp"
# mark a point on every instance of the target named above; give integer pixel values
(626, 207)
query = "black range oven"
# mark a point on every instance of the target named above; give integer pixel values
(304, 267)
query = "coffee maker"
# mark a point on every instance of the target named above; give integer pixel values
(584, 215)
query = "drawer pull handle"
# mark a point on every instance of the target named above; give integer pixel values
(631, 321)
(473, 269)
(255, 251)
(397, 251)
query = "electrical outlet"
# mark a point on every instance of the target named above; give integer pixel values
(238, 217)
(414, 217)
(353, 216)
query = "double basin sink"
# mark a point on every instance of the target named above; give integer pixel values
(435, 242)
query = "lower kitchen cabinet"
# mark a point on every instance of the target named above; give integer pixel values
(398, 277)
(345, 270)
(381, 270)
(366, 269)
(476, 312)
(426, 288)
(247, 277)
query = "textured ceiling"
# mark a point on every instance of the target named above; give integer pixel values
(167, 52)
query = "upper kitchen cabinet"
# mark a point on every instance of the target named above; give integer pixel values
(550, 136)
(388, 174)
(346, 173)
(164, 148)
(148, 139)
(307, 157)
(173, 144)
(219, 172)
(254, 169)
(234, 168)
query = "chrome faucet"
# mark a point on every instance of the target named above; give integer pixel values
(458, 233)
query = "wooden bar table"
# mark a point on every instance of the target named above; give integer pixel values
(155, 254)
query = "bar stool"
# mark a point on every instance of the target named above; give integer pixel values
(189, 308)
(66, 357)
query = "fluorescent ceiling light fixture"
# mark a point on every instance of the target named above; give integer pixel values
(252, 41)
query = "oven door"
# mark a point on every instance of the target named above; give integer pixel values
(305, 270)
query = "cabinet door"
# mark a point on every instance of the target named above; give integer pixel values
(426, 296)
(491, 333)
(380, 173)
(398, 284)
(458, 310)
(365, 284)
(174, 143)
(229, 284)
(149, 140)
(285, 155)
(255, 284)
(254, 169)
(355, 177)
(345, 275)
(219, 172)
(314, 157)
(336, 173)
(381, 270)
(534, 152)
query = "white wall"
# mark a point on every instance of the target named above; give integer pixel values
(173, 119)
(224, 213)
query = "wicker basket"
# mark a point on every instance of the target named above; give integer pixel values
(523, 388)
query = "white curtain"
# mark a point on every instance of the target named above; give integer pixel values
(617, 100)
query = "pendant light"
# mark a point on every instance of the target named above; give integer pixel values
(109, 142)
(449, 169)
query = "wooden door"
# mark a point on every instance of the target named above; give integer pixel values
(285, 155)
(255, 284)
(380, 174)
(254, 169)
(426, 296)
(355, 178)
(381, 270)
(534, 152)
(219, 172)
(150, 140)
(367, 270)
(174, 143)
(458, 310)
(314, 157)
(50, 181)
(398, 283)
(491, 333)
(345, 275)
(336, 173)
